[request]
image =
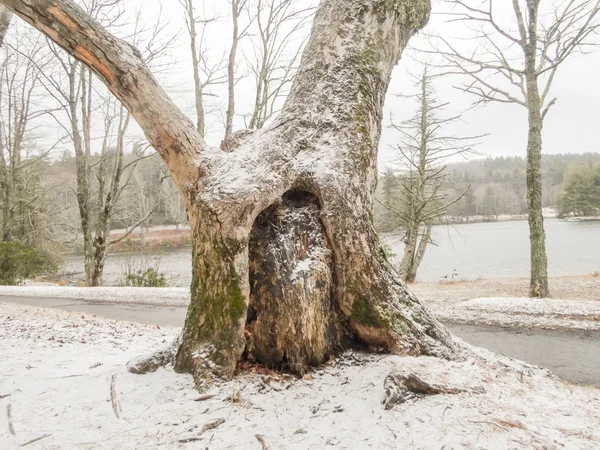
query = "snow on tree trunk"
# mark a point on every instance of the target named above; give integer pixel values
(333, 281)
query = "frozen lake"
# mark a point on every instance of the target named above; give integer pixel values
(489, 250)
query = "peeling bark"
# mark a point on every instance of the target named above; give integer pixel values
(323, 143)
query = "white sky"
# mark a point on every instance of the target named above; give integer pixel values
(572, 125)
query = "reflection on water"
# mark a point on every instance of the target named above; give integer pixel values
(470, 251)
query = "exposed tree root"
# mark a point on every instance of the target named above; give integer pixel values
(401, 386)
(153, 361)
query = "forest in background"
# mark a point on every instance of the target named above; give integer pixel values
(49, 218)
(48, 214)
(494, 187)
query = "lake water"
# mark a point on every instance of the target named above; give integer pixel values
(501, 250)
(489, 250)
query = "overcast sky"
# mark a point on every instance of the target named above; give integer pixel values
(572, 125)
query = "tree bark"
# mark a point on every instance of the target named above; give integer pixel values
(538, 286)
(413, 254)
(539, 261)
(322, 146)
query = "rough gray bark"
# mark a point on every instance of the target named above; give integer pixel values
(324, 142)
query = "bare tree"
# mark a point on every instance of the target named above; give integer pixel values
(99, 174)
(206, 73)
(516, 61)
(238, 7)
(423, 195)
(276, 55)
(23, 197)
(287, 268)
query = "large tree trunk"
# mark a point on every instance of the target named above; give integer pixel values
(287, 267)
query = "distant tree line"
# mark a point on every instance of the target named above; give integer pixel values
(496, 186)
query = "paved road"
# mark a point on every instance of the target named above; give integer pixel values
(572, 355)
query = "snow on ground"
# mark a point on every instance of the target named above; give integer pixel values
(63, 380)
(144, 296)
(500, 311)
(517, 312)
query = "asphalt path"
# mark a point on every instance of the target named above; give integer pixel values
(572, 355)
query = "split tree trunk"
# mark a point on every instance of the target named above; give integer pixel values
(287, 267)
(413, 253)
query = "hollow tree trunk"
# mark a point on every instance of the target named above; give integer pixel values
(283, 240)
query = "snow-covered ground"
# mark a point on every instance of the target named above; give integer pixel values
(501, 311)
(63, 382)
(521, 312)
(144, 296)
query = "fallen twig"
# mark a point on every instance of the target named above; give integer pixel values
(488, 423)
(4, 396)
(35, 440)
(113, 396)
(190, 439)
(262, 441)
(205, 397)
(209, 426)
(212, 425)
(11, 428)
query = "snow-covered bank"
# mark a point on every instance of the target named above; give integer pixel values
(144, 296)
(521, 312)
(78, 395)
